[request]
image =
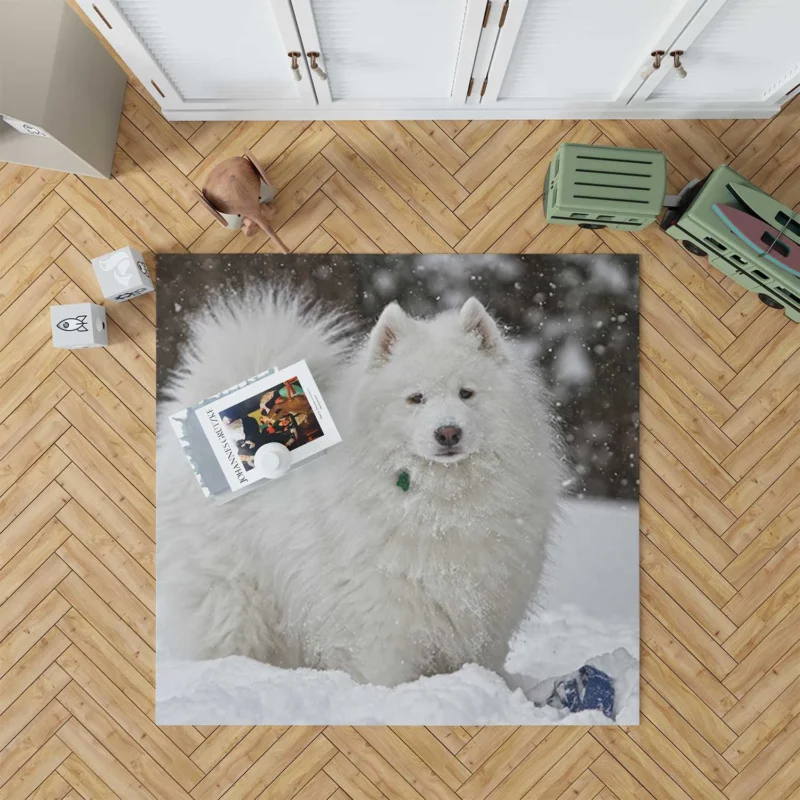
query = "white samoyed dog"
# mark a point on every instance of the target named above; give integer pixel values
(336, 566)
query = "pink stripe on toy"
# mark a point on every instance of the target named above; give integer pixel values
(764, 239)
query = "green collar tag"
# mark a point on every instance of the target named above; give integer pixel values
(404, 481)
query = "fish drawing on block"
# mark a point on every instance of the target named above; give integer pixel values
(77, 324)
(762, 238)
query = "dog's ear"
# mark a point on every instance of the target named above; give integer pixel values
(477, 322)
(390, 326)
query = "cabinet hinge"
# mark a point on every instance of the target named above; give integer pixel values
(486, 13)
(503, 15)
(469, 88)
(483, 88)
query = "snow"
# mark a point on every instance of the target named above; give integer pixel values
(608, 275)
(573, 365)
(588, 613)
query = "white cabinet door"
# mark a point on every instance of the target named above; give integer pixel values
(746, 51)
(554, 54)
(390, 53)
(208, 54)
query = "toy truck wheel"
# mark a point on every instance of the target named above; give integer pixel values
(769, 301)
(592, 226)
(693, 248)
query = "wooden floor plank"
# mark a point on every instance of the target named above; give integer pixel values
(567, 769)
(491, 155)
(437, 143)
(108, 443)
(144, 153)
(133, 213)
(696, 683)
(496, 185)
(36, 770)
(299, 153)
(766, 435)
(370, 221)
(768, 689)
(108, 587)
(681, 733)
(676, 584)
(670, 614)
(31, 629)
(98, 613)
(159, 131)
(31, 484)
(277, 140)
(101, 544)
(102, 472)
(30, 267)
(681, 554)
(682, 446)
(772, 513)
(101, 762)
(419, 161)
(420, 216)
(756, 621)
(174, 764)
(39, 294)
(30, 230)
(158, 203)
(26, 198)
(236, 763)
(502, 762)
(84, 782)
(12, 176)
(31, 593)
(209, 135)
(349, 780)
(475, 134)
(86, 385)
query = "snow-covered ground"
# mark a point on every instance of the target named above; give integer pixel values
(589, 612)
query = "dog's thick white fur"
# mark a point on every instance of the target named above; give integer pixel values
(334, 566)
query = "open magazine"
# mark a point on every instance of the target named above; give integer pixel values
(222, 434)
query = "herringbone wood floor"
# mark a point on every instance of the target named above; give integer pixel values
(720, 509)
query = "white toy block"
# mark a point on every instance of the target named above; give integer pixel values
(78, 325)
(122, 274)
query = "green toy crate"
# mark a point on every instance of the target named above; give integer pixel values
(702, 232)
(605, 187)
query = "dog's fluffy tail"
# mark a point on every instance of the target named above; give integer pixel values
(264, 328)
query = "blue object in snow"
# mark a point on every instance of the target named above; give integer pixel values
(588, 688)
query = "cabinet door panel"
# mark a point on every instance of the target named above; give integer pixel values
(226, 55)
(386, 52)
(747, 52)
(579, 51)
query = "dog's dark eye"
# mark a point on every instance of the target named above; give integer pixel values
(465, 394)
(416, 399)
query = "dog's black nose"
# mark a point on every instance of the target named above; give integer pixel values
(448, 435)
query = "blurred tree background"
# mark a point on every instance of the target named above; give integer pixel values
(575, 315)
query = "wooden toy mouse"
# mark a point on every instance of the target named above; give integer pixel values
(233, 188)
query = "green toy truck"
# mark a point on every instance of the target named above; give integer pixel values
(695, 224)
(610, 187)
(605, 187)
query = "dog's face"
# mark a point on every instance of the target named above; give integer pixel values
(435, 388)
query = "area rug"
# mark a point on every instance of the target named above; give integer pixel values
(456, 539)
